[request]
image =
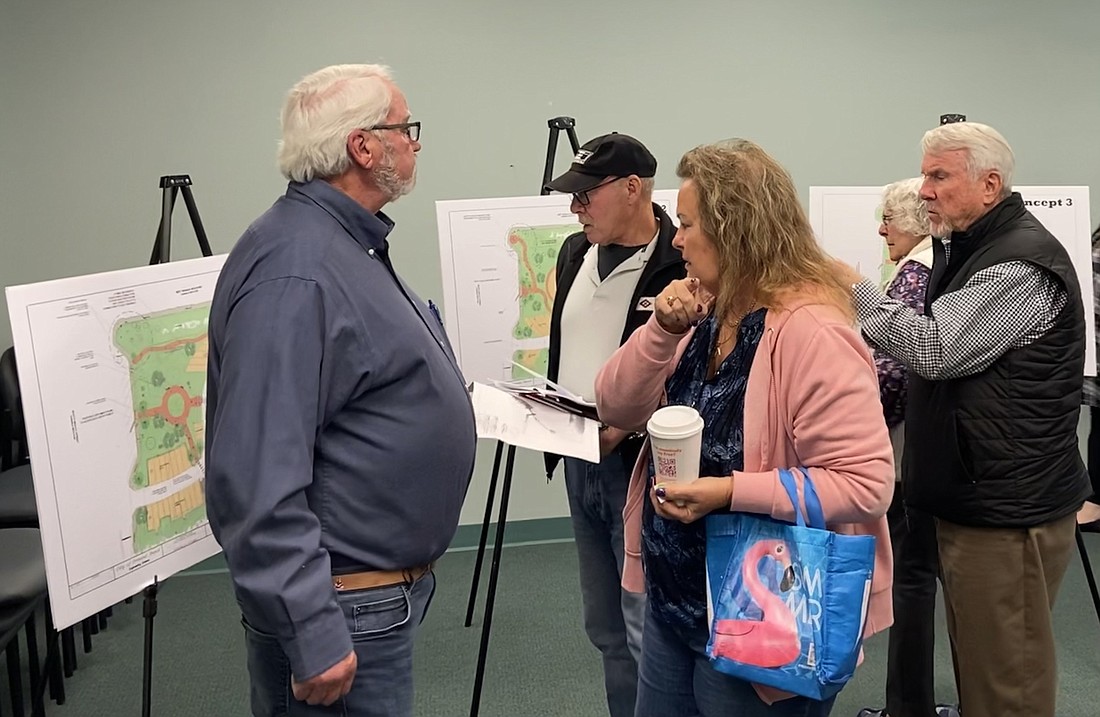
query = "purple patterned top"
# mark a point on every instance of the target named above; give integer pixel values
(909, 287)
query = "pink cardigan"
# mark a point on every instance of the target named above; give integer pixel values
(812, 400)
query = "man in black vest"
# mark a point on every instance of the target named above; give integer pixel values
(607, 277)
(996, 362)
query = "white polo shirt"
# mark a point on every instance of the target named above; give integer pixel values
(593, 318)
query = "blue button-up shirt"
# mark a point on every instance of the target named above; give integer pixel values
(339, 429)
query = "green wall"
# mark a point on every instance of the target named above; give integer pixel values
(98, 99)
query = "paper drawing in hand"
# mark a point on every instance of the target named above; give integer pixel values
(771, 641)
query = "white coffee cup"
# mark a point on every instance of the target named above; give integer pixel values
(675, 439)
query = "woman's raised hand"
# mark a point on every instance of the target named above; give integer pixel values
(681, 305)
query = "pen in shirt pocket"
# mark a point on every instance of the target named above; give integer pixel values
(435, 311)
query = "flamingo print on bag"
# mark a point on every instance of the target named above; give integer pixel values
(773, 640)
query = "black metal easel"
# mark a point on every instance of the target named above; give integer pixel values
(1087, 566)
(148, 611)
(171, 185)
(556, 125)
(494, 570)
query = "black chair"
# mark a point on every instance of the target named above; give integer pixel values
(13, 447)
(18, 508)
(17, 505)
(22, 593)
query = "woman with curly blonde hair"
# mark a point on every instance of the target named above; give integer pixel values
(759, 338)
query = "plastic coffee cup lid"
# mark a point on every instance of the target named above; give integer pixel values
(674, 422)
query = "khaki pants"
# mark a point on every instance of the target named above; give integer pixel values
(999, 588)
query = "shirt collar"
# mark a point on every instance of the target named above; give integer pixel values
(369, 230)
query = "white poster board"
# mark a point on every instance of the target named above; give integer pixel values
(846, 222)
(498, 258)
(112, 371)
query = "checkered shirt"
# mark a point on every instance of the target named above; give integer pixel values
(1002, 307)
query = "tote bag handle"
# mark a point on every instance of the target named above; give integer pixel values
(814, 515)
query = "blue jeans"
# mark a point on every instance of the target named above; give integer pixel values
(613, 617)
(383, 622)
(676, 678)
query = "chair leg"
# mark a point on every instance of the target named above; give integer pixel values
(88, 628)
(102, 617)
(53, 660)
(37, 706)
(15, 676)
(68, 651)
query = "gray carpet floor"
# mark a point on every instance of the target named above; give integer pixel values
(540, 663)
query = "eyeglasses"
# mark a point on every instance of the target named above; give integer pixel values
(409, 129)
(582, 197)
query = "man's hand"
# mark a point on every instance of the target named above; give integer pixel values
(688, 502)
(329, 686)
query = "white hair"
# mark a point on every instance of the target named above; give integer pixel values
(647, 184)
(986, 150)
(908, 212)
(321, 110)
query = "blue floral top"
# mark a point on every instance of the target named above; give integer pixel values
(674, 554)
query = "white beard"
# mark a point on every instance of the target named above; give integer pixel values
(385, 176)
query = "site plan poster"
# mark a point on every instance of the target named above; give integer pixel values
(112, 370)
(498, 258)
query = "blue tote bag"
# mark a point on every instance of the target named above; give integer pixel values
(788, 602)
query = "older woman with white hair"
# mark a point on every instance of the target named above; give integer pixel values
(910, 677)
(906, 231)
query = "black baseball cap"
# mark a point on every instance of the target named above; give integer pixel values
(609, 155)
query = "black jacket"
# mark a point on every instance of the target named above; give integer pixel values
(999, 448)
(663, 267)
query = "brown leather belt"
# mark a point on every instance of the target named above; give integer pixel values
(379, 578)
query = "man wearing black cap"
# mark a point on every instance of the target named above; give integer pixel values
(607, 277)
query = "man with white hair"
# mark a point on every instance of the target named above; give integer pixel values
(996, 362)
(327, 377)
